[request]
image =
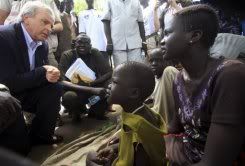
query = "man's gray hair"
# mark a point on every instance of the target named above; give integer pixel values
(30, 8)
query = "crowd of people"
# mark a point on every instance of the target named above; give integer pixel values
(173, 67)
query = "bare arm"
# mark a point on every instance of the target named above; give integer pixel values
(107, 28)
(142, 31)
(3, 15)
(101, 79)
(142, 35)
(83, 89)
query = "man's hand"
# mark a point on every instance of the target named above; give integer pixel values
(81, 82)
(100, 92)
(144, 48)
(109, 48)
(52, 73)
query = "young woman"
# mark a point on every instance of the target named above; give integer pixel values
(208, 129)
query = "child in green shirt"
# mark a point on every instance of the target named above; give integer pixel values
(141, 139)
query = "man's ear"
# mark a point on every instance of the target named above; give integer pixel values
(25, 20)
(134, 93)
(195, 36)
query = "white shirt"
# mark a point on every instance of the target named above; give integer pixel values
(32, 46)
(90, 23)
(6, 5)
(124, 17)
(148, 16)
(228, 45)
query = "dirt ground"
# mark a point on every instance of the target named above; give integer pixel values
(71, 131)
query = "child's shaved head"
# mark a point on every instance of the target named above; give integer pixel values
(137, 75)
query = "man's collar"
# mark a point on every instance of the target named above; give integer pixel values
(123, 0)
(29, 41)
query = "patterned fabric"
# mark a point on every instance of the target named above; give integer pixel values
(193, 114)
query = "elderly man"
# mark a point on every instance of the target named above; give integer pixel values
(24, 69)
(76, 96)
(9, 10)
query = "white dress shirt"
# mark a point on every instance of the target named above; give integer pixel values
(124, 16)
(90, 23)
(32, 46)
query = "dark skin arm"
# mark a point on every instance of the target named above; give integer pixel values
(142, 31)
(222, 146)
(101, 79)
(107, 28)
(83, 89)
(142, 35)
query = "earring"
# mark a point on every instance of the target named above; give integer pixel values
(190, 42)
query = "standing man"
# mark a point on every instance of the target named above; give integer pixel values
(124, 29)
(149, 15)
(24, 69)
(91, 24)
(69, 32)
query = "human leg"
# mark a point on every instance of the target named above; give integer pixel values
(119, 56)
(44, 102)
(135, 55)
(98, 110)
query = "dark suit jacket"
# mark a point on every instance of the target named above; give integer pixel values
(14, 61)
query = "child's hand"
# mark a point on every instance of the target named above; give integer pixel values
(106, 155)
(113, 140)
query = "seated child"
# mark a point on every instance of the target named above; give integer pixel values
(162, 96)
(141, 138)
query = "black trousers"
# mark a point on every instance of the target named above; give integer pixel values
(15, 137)
(75, 102)
(44, 102)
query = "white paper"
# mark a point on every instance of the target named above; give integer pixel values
(81, 69)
